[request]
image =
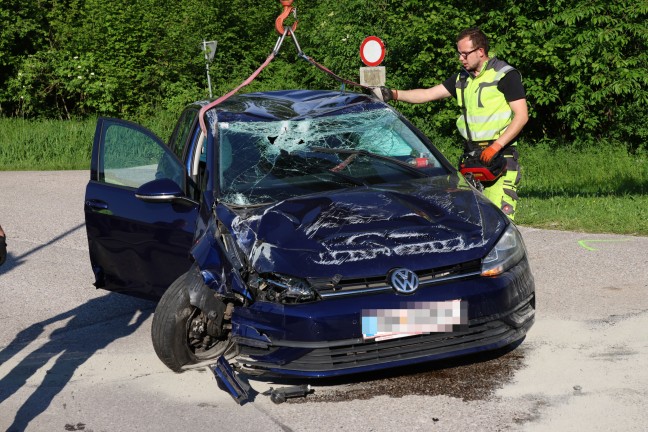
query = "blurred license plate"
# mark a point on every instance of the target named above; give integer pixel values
(414, 318)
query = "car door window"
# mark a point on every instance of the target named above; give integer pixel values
(182, 131)
(131, 157)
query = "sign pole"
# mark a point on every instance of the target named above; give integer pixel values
(209, 48)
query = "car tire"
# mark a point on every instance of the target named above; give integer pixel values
(170, 330)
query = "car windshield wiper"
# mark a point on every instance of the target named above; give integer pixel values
(345, 178)
(371, 155)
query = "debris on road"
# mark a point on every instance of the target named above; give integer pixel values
(280, 395)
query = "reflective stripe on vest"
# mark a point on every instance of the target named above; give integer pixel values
(488, 112)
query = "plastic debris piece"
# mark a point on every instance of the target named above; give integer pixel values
(228, 380)
(281, 394)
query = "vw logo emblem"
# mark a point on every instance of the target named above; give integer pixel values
(404, 281)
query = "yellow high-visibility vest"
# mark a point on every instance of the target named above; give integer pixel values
(488, 112)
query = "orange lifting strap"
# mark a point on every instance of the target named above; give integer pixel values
(283, 31)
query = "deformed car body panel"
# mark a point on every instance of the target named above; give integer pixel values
(228, 381)
(294, 235)
(293, 333)
(324, 196)
(386, 226)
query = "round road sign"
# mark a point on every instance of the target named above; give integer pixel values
(372, 51)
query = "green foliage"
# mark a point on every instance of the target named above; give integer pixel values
(626, 214)
(23, 31)
(595, 172)
(583, 62)
(45, 144)
(584, 68)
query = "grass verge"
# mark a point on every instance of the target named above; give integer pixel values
(577, 189)
(46, 145)
(590, 189)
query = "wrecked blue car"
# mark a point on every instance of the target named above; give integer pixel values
(305, 234)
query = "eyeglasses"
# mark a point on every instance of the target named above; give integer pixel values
(466, 54)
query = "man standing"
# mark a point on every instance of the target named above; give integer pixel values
(494, 110)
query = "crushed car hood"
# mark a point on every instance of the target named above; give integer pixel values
(423, 224)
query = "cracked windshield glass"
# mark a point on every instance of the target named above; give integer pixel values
(268, 161)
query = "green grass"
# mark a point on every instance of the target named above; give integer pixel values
(592, 190)
(621, 215)
(45, 144)
(58, 145)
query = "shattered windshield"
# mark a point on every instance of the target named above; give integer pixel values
(268, 161)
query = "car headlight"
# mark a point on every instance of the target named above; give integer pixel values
(285, 289)
(508, 251)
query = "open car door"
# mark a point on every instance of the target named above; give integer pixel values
(139, 221)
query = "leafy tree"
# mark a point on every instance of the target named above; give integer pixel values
(23, 31)
(582, 62)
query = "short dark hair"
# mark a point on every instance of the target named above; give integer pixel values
(476, 36)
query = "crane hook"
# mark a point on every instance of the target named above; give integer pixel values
(287, 9)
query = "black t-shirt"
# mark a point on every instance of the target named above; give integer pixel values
(511, 86)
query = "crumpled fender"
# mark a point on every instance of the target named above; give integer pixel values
(202, 297)
(215, 267)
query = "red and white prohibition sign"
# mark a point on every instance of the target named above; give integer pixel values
(372, 51)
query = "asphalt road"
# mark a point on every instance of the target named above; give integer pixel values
(76, 358)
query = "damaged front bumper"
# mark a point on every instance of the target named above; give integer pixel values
(229, 381)
(325, 338)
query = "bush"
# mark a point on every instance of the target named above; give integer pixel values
(583, 62)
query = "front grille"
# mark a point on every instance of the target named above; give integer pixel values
(344, 287)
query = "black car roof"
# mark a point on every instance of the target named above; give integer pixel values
(291, 104)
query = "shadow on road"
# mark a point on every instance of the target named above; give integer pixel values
(91, 327)
(15, 261)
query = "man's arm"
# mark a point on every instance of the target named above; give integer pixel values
(418, 96)
(520, 118)
(415, 96)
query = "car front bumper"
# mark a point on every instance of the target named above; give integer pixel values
(325, 339)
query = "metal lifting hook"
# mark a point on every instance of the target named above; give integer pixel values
(288, 8)
(283, 31)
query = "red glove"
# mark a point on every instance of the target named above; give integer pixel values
(490, 151)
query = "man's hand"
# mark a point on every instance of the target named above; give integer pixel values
(489, 152)
(383, 93)
(3, 250)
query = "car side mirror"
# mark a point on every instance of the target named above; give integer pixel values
(162, 191)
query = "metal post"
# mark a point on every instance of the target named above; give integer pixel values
(208, 80)
(209, 49)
